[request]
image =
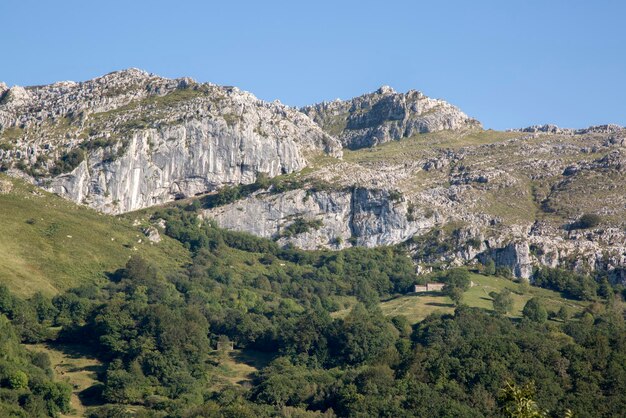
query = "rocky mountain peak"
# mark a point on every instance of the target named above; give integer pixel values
(3, 89)
(386, 115)
(385, 90)
(127, 73)
(131, 139)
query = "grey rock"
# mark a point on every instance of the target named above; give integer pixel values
(152, 234)
(361, 216)
(515, 256)
(553, 129)
(386, 115)
(159, 139)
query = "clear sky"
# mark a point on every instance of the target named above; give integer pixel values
(507, 63)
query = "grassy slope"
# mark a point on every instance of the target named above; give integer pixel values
(50, 244)
(70, 364)
(236, 367)
(416, 146)
(417, 306)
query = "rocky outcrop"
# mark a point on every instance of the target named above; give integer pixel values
(514, 256)
(338, 219)
(160, 165)
(554, 129)
(5, 186)
(130, 140)
(386, 115)
(152, 234)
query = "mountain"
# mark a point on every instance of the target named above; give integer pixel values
(386, 115)
(513, 197)
(205, 253)
(130, 139)
(384, 168)
(155, 313)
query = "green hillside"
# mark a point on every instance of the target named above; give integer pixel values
(49, 244)
(417, 306)
(315, 334)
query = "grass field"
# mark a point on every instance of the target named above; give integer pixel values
(76, 367)
(49, 244)
(418, 306)
(236, 367)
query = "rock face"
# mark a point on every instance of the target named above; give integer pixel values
(130, 140)
(515, 256)
(360, 216)
(386, 115)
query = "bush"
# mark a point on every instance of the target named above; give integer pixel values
(504, 271)
(502, 302)
(490, 267)
(573, 285)
(535, 311)
(301, 226)
(395, 195)
(68, 162)
(457, 282)
(18, 380)
(588, 220)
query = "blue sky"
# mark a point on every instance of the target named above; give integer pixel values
(507, 63)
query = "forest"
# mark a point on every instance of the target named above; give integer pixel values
(316, 316)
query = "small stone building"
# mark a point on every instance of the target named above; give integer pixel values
(428, 287)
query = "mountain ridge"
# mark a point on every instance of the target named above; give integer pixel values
(384, 168)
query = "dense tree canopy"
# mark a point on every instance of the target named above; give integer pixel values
(316, 315)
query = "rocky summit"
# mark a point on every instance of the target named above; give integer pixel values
(130, 139)
(386, 115)
(385, 168)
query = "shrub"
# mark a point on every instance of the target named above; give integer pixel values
(588, 220)
(18, 380)
(301, 226)
(457, 282)
(502, 302)
(535, 311)
(490, 267)
(68, 162)
(395, 195)
(504, 271)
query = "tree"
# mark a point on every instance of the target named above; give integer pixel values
(490, 267)
(517, 401)
(44, 308)
(502, 302)
(563, 313)
(454, 293)
(457, 277)
(18, 380)
(456, 282)
(535, 311)
(362, 335)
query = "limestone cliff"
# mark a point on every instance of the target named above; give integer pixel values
(343, 218)
(130, 139)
